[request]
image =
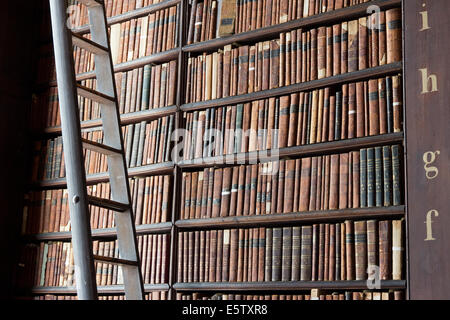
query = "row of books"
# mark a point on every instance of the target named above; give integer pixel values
(297, 56)
(135, 38)
(341, 295)
(359, 179)
(145, 143)
(79, 14)
(141, 89)
(210, 18)
(52, 264)
(360, 250)
(154, 295)
(347, 111)
(47, 211)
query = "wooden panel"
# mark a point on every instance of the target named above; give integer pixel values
(427, 30)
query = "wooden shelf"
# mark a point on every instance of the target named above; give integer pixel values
(98, 234)
(298, 87)
(137, 13)
(114, 289)
(327, 18)
(271, 220)
(157, 58)
(125, 119)
(164, 168)
(324, 148)
(285, 286)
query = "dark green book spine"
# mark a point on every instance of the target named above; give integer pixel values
(378, 177)
(338, 116)
(238, 132)
(363, 177)
(397, 194)
(286, 254)
(389, 105)
(276, 253)
(146, 87)
(371, 177)
(387, 175)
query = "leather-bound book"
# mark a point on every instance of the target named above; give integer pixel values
(322, 52)
(372, 245)
(374, 40)
(234, 191)
(371, 177)
(387, 176)
(202, 255)
(278, 205)
(374, 111)
(397, 102)
(325, 115)
(321, 260)
(313, 68)
(234, 247)
(240, 258)
(261, 253)
(196, 260)
(313, 190)
(353, 46)
(193, 195)
(282, 66)
(334, 182)
(379, 177)
(396, 175)
(337, 49)
(284, 121)
(296, 253)
(212, 255)
(217, 192)
(207, 254)
(253, 188)
(385, 247)
(354, 177)
(227, 18)
(226, 192)
(349, 250)
(363, 177)
(338, 257)
(276, 253)
(338, 116)
(274, 64)
(253, 266)
(243, 70)
(289, 186)
(361, 250)
(332, 254)
(190, 257)
(363, 44)
(394, 35)
(389, 106)
(382, 53)
(352, 110)
(286, 264)
(306, 254)
(241, 191)
(219, 255)
(293, 118)
(382, 106)
(326, 260)
(268, 255)
(343, 180)
(314, 252)
(209, 204)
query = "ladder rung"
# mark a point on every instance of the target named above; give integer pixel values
(90, 3)
(88, 45)
(108, 204)
(94, 95)
(115, 261)
(100, 148)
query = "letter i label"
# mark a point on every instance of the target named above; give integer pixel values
(424, 14)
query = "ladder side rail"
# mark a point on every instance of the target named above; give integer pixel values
(75, 171)
(126, 233)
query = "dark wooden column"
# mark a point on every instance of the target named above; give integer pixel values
(427, 96)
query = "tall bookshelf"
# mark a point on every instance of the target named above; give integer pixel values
(175, 226)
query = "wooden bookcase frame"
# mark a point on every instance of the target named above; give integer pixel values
(181, 54)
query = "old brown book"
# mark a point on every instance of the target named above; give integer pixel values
(360, 250)
(349, 250)
(385, 247)
(394, 35)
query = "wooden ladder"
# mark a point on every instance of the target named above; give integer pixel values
(106, 96)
